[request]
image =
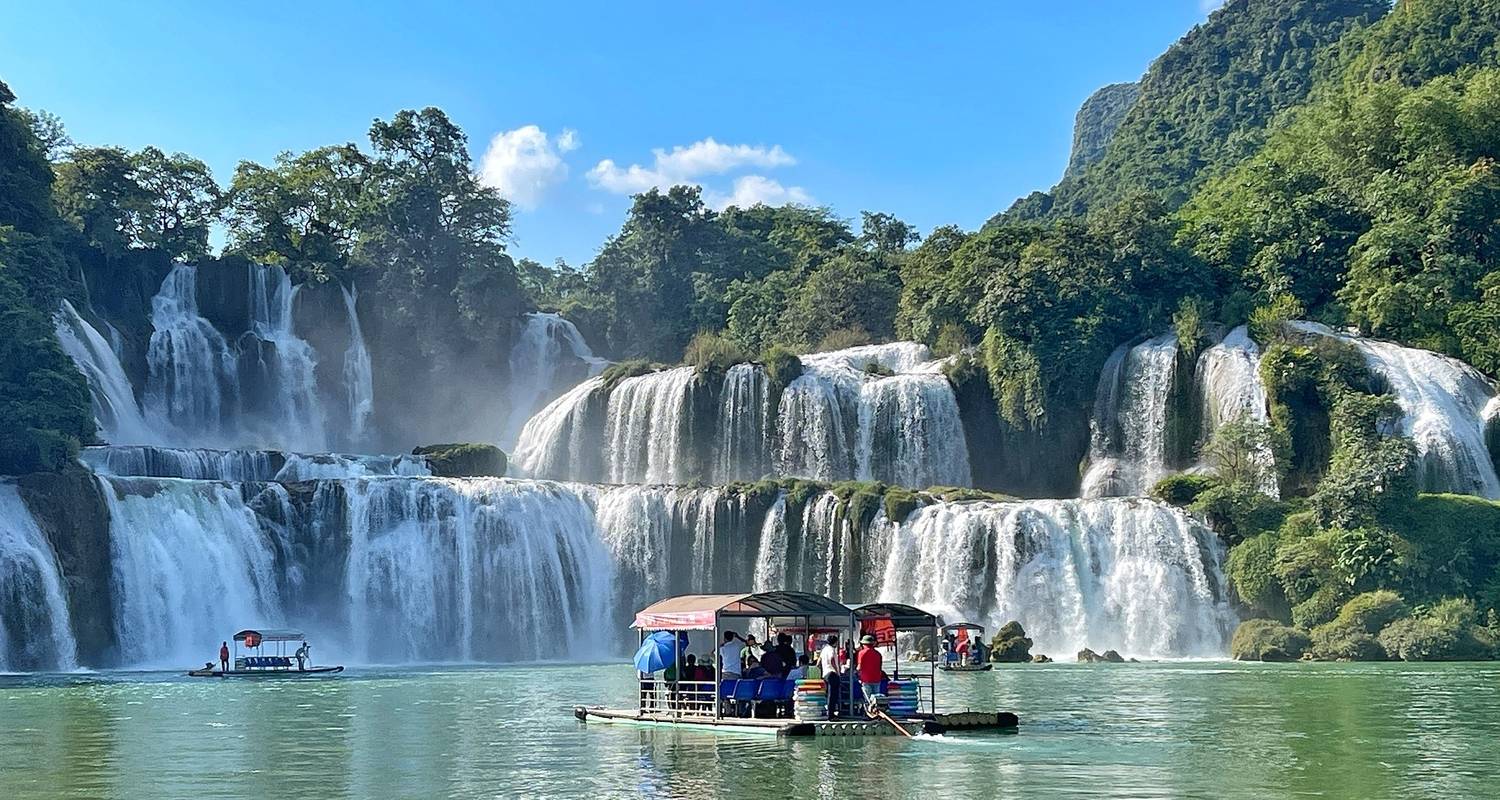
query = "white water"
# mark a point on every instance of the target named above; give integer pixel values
(359, 375)
(742, 444)
(35, 630)
(1127, 450)
(555, 442)
(115, 407)
(191, 566)
(243, 465)
(1443, 402)
(477, 570)
(1228, 378)
(646, 434)
(191, 370)
(293, 416)
(1124, 574)
(549, 350)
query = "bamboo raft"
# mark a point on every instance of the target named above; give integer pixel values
(932, 724)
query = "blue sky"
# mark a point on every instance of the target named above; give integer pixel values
(938, 115)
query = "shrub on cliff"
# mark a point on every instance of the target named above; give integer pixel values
(782, 366)
(463, 460)
(1447, 632)
(1182, 488)
(614, 373)
(1238, 511)
(1267, 640)
(713, 352)
(1252, 573)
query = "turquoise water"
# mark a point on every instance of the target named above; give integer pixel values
(1137, 730)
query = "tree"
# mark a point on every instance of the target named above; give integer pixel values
(303, 213)
(884, 233)
(97, 194)
(1239, 453)
(181, 200)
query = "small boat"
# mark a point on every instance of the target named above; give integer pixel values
(258, 660)
(974, 659)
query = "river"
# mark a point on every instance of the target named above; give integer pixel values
(1184, 729)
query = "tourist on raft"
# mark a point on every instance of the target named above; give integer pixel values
(730, 655)
(224, 655)
(867, 663)
(828, 662)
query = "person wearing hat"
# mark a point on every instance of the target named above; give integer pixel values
(868, 666)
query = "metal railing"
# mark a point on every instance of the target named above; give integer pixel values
(677, 698)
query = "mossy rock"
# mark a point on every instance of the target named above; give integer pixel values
(1267, 640)
(1011, 645)
(463, 460)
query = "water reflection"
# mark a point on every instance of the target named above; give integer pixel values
(1144, 730)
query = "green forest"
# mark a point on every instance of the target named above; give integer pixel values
(1328, 160)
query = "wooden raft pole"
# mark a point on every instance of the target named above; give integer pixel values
(894, 724)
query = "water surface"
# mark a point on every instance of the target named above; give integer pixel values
(1146, 730)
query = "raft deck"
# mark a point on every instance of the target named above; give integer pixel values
(973, 721)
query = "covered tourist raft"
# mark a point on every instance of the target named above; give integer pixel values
(262, 654)
(675, 690)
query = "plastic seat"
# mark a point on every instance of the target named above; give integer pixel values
(726, 688)
(746, 689)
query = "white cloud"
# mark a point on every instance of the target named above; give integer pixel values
(524, 163)
(754, 189)
(686, 165)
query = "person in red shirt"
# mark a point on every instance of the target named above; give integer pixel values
(224, 655)
(867, 663)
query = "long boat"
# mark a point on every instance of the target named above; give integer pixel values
(774, 705)
(258, 662)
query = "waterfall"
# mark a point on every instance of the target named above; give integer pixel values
(191, 370)
(1443, 402)
(647, 428)
(742, 443)
(243, 465)
(291, 414)
(477, 570)
(910, 433)
(35, 630)
(1228, 380)
(191, 566)
(549, 351)
(817, 418)
(1127, 451)
(1125, 574)
(359, 376)
(115, 407)
(556, 442)
(770, 561)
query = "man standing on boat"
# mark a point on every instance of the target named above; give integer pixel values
(730, 653)
(868, 664)
(224, 656)
(828, 662)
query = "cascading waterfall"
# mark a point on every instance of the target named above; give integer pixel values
(646, 431)
(191, 565)
(1125, 574)
(243, 465)
(742, 443)
(1443, 402)
(359, 375)
(191, 370)
(1127, 451)
(910, 433)
(556, 442)
(35, 630)
(477, 570)
(115, 407)
(549, 350)
(1228, 379)
(293, 416)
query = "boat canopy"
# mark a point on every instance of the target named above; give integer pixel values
(268, 635)
(701, 612)
(885, 620)
(963, 626)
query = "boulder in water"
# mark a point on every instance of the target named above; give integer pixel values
(1267, 640)
(1041, 658)
(463, 460)
(1087, 656)
(1011, 644)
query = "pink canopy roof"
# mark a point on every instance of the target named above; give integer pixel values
(701, 611)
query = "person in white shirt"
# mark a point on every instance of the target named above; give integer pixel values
(729, 655)
(828, 661)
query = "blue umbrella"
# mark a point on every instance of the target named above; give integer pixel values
(659, 651)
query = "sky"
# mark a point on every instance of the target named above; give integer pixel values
(939, 115)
